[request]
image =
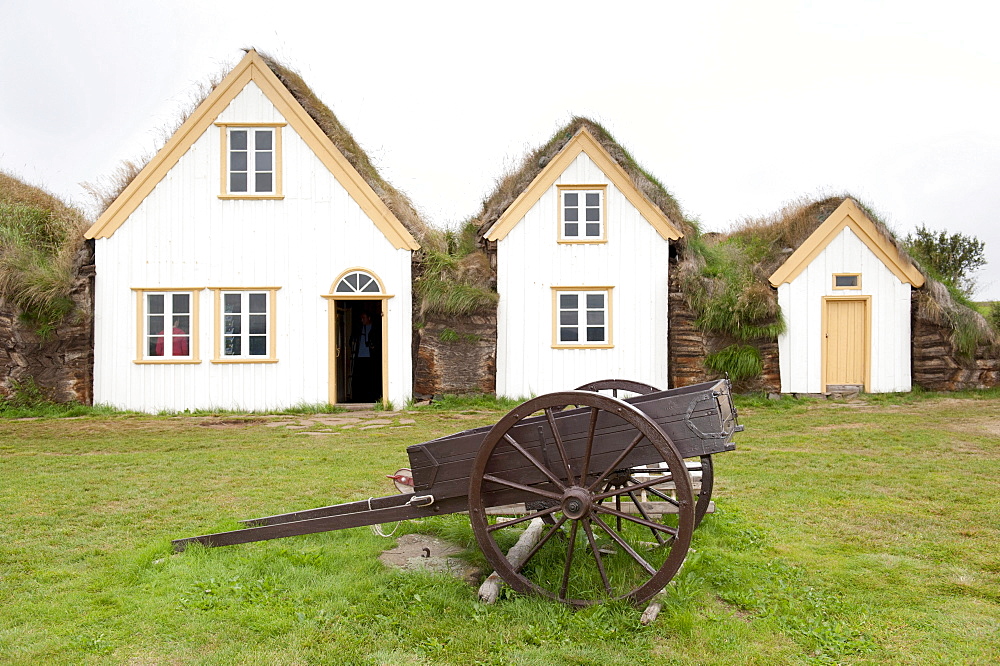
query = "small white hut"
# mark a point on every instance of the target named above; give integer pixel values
(845, 295)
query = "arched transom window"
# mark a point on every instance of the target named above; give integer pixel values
(358, 282)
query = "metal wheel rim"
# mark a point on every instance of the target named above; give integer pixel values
(644, 428)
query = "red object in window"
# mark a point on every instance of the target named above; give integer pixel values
(180, 343)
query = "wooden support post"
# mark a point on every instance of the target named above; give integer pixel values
(490, 589)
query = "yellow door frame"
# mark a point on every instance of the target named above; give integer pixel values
(824, 331)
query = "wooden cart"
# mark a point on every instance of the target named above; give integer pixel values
(584, 462)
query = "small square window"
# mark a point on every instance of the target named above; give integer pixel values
(583, 316)
(167, 326)
(251, 161)
(581, 213)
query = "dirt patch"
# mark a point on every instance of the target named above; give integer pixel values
(419, 552)
(213, 422)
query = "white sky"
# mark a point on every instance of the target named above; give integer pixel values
(737, 107)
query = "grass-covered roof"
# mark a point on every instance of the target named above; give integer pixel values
(511, 185)
(725, 277)
(40, 238)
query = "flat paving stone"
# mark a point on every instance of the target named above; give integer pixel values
(419, 552)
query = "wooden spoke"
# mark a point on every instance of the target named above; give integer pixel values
(642, 512)
(597, 555)
(626, 547)
(559, 444)
(618, 491)
(569, 560)
(617, 463)
(641, 521)
(542, 468)
(523, 519)
(519, 486)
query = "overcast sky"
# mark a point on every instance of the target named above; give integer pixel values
(737, 107)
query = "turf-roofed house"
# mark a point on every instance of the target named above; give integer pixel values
(582, 239)
(257, 261)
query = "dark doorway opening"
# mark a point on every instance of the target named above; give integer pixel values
(359, 351)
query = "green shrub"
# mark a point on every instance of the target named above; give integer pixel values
(740, 361)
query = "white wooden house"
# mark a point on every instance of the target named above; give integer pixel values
(582, 258)
(232, 272)
(845, 295)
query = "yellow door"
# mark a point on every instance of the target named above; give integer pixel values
(846, 342)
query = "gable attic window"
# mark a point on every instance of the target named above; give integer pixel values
(582, 213)
(251, 161)
(245, 325)
(581, 317)
(847, 280)
(167, 326)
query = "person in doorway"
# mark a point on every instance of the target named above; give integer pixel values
(365, 349)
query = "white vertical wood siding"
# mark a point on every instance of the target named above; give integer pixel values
(530, 261)
(183, 235)
(800, 347)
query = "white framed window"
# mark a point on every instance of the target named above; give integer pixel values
(251, 161)
(582, 213)
(245, 325)
(358, 282)
(167, 325)
(582, 317)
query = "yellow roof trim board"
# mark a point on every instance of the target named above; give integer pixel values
(252, 68)
(583, 142)
(848, 214)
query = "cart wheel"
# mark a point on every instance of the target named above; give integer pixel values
(703, 466)
(576, 459)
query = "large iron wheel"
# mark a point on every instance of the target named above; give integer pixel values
(703, 467)
(592, 551)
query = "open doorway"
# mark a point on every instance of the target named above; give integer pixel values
(360, 350)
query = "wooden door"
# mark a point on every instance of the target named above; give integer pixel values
(846, 342)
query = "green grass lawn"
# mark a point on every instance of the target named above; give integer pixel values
(845, 533)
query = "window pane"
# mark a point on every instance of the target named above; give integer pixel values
(155, 346)
(572, 230)
(595, 317)
(237, 182)
(233, 324)
(569, 317)
(181, 345)
(371, 287)
(232, 346)
(238, 139)
(344, 286)
(182, 324)
(262, 161)
(154, 303)
(593, 215)
(847, 280)
(232, 302)
(258, 324)
(570, 198)
(156, 325)
(258, 345)
(568, 301)
(262, 139)
(262, 183)
(258, 303)
(593, 229)
(595, 334)
(595, 301)
(569, 335)
(571, 214)
(352, 280)
(237, 161)
(593, 199)
(182, 303)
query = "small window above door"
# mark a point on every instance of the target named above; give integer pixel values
(847, 280)
(358, 282)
